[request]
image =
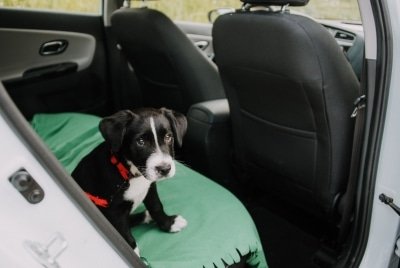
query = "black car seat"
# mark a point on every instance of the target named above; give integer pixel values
(171, 70)
(290, 91)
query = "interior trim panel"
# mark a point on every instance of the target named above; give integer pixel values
(20, 50)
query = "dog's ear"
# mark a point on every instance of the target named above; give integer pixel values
(178, 124)
(113, 128)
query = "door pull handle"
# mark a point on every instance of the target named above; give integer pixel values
(53, 47)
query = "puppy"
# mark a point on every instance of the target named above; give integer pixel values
(120, 173)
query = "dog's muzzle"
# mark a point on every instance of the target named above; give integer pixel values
(163, 169)
(159, 166)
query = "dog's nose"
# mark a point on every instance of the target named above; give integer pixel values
(163, 169)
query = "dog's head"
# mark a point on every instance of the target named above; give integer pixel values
(146, 139)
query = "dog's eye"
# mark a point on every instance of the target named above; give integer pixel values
(140, 142)
(168, 138)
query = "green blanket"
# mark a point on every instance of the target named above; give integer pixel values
(219, 230)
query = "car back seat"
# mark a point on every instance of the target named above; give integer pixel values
(220, 231)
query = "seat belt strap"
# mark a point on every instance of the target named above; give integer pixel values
(348, 199)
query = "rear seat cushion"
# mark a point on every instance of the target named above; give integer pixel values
(220, 231)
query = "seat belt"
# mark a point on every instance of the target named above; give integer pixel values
(348, 199)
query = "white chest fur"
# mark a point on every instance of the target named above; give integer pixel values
(138, 188)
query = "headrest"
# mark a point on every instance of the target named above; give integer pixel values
(277, 2)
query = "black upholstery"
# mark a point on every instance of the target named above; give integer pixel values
(209, 135)
(291, 92)
(172, 72)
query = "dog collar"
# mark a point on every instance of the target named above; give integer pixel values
(123, 171)
(125, 174)
(98, 201)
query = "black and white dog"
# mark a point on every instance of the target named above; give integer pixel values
(121, 172)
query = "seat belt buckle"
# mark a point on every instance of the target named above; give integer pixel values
(359, 104)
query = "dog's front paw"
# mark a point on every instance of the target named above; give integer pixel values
(178, 224)
(136, 250)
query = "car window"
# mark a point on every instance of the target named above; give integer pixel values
(343, 10)
(197, 10)
(87, 6)
(184, 10)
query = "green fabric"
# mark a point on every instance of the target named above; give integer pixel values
(219, 227)
(70, 136)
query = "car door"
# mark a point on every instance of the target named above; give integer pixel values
(46, 220)
(50, 62)
(54, 61)
(200, 34)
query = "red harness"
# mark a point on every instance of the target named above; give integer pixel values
(125, 174)
(101, 202)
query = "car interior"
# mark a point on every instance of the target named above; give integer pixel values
(172, 72)
(268, 94)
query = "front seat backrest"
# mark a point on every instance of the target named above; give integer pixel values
(291, 92)
(171, 70)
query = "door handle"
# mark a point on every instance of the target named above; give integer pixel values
(53, 47)
(202, 44)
